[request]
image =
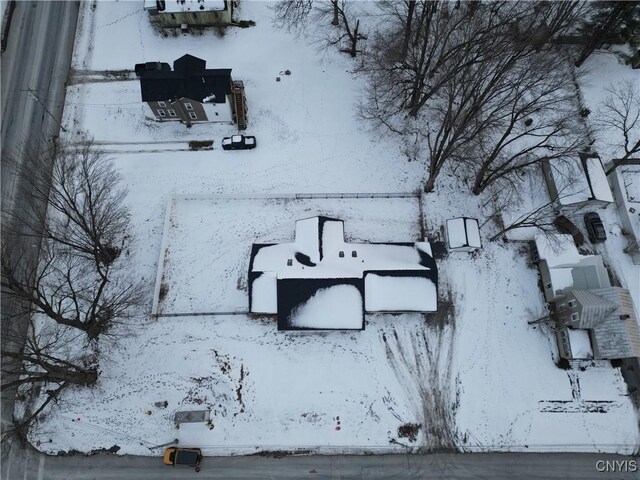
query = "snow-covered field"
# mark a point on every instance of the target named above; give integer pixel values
(475, 373)
(209, 239)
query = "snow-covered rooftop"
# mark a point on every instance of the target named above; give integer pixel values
(577, 182)
(174, 6)
(295, 279)
(629, 181)
(463, 233)
(580, 343)
(599, 184)
(568, 269)
(319, 251)
(558, 250)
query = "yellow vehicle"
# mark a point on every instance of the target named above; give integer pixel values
(182, 456)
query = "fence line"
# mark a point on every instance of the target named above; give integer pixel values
(295, 196)
(163, 250)
(200, 314)
(233, 196)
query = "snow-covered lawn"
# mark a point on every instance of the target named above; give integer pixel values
(480, 377)
(209, 241)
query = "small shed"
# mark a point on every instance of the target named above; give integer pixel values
(463, 234)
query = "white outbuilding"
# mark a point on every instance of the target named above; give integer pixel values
(463, 234)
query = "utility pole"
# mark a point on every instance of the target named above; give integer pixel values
(33, 92)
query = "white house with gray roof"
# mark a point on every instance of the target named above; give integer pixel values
(625, 180)
(592, 318)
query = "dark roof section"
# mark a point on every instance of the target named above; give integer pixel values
(293, 292)
(321, 221)
(189, 79)
(151, 67)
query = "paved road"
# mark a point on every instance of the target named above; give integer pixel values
(34, 67)
(34, 71)
(513, 466)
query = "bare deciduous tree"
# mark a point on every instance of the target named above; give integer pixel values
(69, 289)
(292, 15)
(619, 115)
(49, 356)
(540, 217)
(428, 44)
(539, 123)
(346, 33)
(79, 280)
(84, 200)
(460, 75)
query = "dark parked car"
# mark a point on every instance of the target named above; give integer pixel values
(190, 457)
(565, 225)
(239, 142)
(595, 227)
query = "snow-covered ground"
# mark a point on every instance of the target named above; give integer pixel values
(209, 239)
(475, 374)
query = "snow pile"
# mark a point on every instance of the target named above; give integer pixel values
(335, 307)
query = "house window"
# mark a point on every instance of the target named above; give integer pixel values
(188, 106)
(172, 113)
(162, 104)
(572, 303)
(193, 116)
(574, 317)
(162, 113)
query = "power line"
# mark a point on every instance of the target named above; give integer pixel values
(32, 92)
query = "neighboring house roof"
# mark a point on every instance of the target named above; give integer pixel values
(174, 6)
(579, 180)
(568, 269)
(593, 308)
(626, 180)
(302, 281)
(189, 79)
(618, 334)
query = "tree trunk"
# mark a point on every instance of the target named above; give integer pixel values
(354, 40)
(598, 37)
(411, 5)
(335, 21)
(79, 377)
(430, 185)
(477, 184)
